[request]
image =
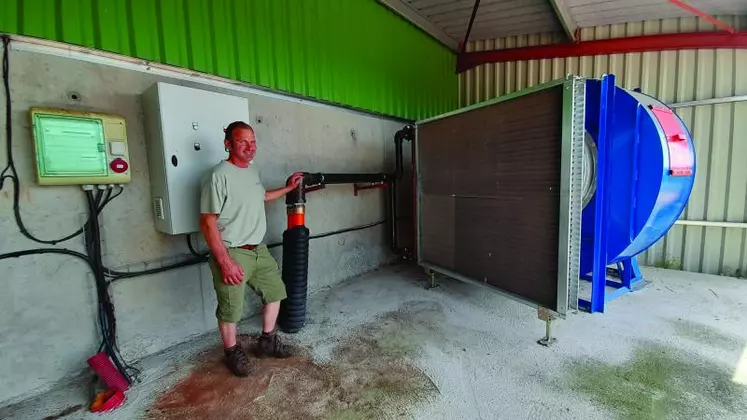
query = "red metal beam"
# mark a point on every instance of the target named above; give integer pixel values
(704, 15)
(664, 42)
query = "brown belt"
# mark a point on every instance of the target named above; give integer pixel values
(249, 247)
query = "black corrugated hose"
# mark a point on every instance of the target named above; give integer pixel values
(295, 276)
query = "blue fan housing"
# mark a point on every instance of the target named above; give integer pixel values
(649, 169)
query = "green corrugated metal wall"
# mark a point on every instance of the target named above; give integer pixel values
(351, 52)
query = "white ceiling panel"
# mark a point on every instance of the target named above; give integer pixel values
(447, 20)
(604, 12)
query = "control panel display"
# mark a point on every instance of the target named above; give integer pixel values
(75, 148)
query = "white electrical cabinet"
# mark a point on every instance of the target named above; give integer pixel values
(184, 128)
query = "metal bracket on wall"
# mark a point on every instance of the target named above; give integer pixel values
(368, 186)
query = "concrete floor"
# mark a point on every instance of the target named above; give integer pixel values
(381, 346)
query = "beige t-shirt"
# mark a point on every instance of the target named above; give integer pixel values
(238, 197)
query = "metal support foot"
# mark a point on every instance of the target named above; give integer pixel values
(431, 279)
(548, 317)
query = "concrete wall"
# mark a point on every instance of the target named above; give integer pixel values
(48, 303)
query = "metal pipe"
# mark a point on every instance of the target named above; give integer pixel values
(706, 223)
(408, 132)
(296, 199)
(292, 317)
(662, 42)
(330, 179)
(469, 27)
(712, 101)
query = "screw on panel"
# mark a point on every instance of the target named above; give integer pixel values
(547, 316)
(196, 125)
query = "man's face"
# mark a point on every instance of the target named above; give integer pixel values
(243, 145)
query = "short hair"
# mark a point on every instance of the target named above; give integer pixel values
(234, 126)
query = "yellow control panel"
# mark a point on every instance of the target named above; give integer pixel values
(79, 148)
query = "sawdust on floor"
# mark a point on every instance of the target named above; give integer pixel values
(371, 374)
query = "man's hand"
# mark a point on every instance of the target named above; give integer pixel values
(232, 272)
(295, 180)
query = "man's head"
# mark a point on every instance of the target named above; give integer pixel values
(240, 141)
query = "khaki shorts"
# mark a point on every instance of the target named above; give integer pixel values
(261, 273)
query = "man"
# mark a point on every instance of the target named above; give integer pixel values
(233, 222)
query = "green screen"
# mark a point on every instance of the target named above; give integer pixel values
(69, 146)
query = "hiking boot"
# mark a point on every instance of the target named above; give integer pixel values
(270, 345)
(237, 362)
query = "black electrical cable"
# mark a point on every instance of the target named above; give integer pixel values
(107, 319)
(111, 197)
(120, 275)
(60, 251)
(202, 258)
(91, 228)
(192, 249)
(10, 173)
(100, 196)
(352, 229)
(27, 252)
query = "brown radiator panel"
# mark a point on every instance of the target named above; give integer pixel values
(490, 185)
(439, 244)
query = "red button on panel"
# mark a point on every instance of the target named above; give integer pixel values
(119, 165)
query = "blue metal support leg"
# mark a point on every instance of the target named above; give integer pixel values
(599, 271)
(630, 273)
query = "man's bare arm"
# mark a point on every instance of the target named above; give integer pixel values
(277, 193)
(232, 272)
(295, 180)
(209, 228)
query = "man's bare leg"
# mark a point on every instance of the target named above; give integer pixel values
(270, 316)
(228, 334)
(269, 343)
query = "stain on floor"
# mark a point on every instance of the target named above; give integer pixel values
(707, 335)
(661, 383)
(370, 374)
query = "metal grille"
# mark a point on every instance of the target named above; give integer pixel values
(158, 208)
(576, 192)
(490, 195)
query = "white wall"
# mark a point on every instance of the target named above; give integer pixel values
(48, 303)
